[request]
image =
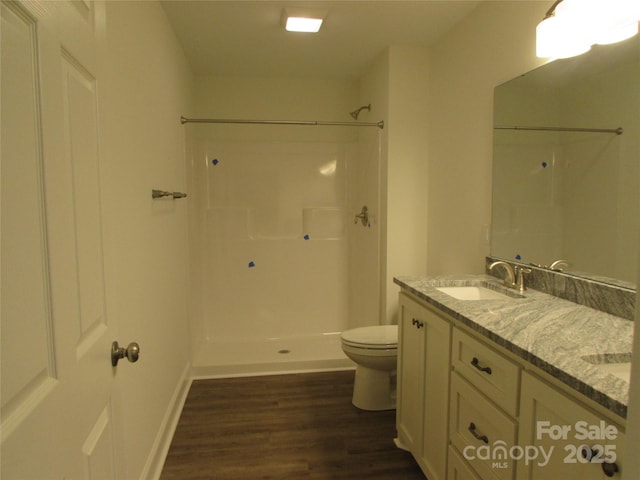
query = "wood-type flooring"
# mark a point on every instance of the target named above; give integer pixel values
(299, 426)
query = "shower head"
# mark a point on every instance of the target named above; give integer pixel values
(356, 112)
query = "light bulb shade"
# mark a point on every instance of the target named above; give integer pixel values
(617, 33)
(557, 38)
(617, 22)
(548, 35)
(575, 25)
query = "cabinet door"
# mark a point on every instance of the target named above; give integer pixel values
(458, 468)
(563, 433)
(424, 364)
(410, 391)
(437, 348)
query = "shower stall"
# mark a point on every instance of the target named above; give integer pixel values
(277, 252)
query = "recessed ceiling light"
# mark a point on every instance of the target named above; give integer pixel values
(303, 20)
(301, 24)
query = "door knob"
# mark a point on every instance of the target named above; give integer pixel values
(132, 352)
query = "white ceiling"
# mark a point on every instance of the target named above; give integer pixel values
(246, 38)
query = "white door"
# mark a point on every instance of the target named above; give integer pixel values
(57, 378)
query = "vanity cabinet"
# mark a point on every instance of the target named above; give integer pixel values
(424, 343)
(469, 409)
(584, 445)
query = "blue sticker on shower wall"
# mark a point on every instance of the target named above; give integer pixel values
(215, 161)
(306, 237)
(518, 257)
(252, 264)
(544, 164)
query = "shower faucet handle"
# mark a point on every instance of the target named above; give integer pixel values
(363, 216)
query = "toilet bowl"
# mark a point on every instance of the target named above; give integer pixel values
(375, 352)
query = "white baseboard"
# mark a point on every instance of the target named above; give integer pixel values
(155, 461)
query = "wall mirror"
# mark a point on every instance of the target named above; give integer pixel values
(566, 184)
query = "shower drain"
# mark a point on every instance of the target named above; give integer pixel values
(284, 351)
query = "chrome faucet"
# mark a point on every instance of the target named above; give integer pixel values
(514, 277)
(510, 277)
(558, 265)
(520, 272)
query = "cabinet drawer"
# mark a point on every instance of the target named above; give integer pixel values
(479, 429)
(490, 372)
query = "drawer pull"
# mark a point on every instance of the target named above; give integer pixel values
(609, 469)
(589, 453)
(472, 429)
(417, 323)
(475, 363)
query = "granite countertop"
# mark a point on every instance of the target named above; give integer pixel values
(546, 331)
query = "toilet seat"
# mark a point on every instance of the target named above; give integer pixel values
(380, 337)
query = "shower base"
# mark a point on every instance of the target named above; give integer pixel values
(245, 357)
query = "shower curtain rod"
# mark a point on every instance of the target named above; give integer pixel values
(379, 124)
(617, 131)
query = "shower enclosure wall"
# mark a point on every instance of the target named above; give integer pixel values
(272, 213)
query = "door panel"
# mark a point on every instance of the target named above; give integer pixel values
(27, 373)
(98, 449)
(56, 407)
(81, 139)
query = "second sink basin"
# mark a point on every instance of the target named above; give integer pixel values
(617, 364)
(468, 292)
(620, 370)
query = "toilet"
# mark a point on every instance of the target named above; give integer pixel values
(375, 352)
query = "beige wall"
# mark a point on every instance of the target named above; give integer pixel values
(492, 45)
(395, 84)
(146, 90)
(406, 170)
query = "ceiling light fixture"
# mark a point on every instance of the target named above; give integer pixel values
(571, 27)
(303, 20)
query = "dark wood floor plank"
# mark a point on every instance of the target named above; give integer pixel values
(284, 427)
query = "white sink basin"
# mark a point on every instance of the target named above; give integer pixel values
(473, 293)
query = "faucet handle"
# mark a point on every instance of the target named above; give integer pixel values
(520, 273)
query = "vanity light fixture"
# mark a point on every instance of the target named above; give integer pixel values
(303, 20)
(571, 27)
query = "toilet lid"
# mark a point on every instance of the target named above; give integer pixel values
(380, 336)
